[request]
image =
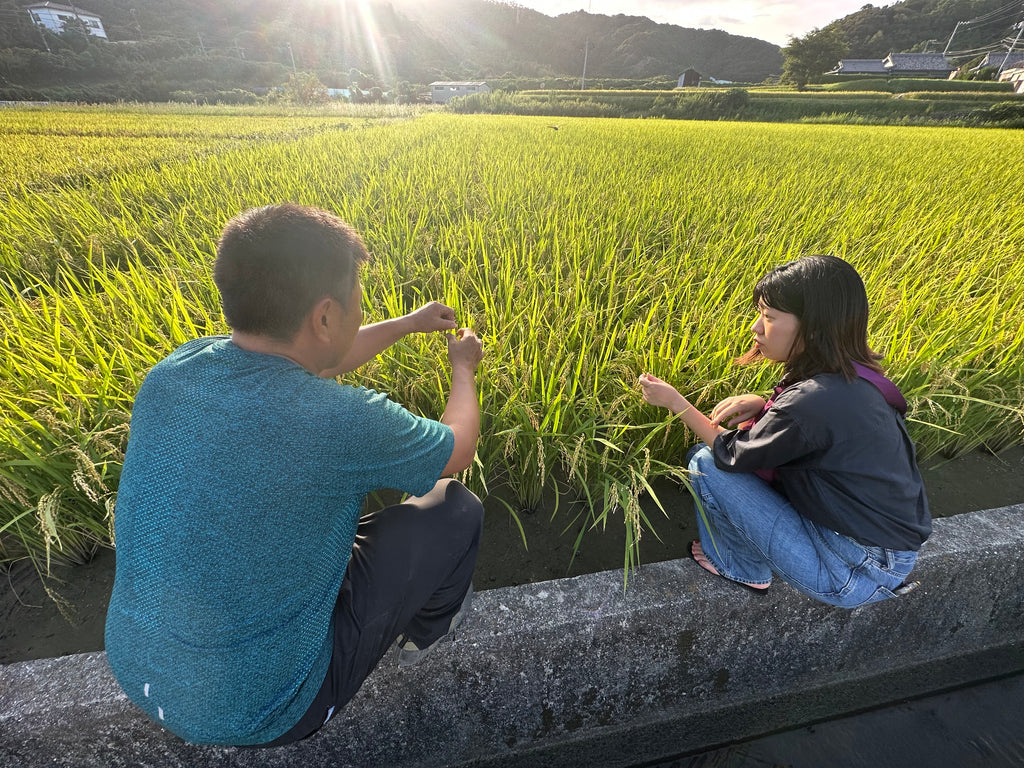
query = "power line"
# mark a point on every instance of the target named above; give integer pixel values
(1001, 17)
(1008, 10)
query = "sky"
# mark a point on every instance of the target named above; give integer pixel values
(771, 21)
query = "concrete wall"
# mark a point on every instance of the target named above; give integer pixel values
(574, 672)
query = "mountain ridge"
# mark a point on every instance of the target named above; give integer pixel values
(445, 39)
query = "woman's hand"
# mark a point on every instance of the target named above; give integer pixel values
(739, 409)
(657, 392)
(660, 393)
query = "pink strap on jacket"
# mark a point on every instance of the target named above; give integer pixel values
(889, 391)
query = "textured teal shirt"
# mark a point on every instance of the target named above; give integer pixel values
(238, 505)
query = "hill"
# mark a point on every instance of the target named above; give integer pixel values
(163, 45)
(919, 25)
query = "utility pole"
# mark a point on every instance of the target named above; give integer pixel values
(586, 51)
(951, 37)
(292, 55)
(82, 25)
(39, 27)
(1020, 31)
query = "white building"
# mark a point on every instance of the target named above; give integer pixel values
(441, 92)
(1015, 76)
(54, 17)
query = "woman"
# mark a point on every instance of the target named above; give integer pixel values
(820, 484)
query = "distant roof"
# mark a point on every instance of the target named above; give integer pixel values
(1002, 59)
(458, 82)
(58, 7)
(917, 61)
(861, 65)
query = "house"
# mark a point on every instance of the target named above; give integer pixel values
(441, 92)
(1015, 76)
(1001, 61)
(689, 79)
(917, 65)
(54, 17)
(897, 65)
(859, 67)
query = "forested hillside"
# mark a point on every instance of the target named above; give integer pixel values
(919, 25)
(158, 46)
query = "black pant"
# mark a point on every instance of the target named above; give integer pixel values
(410, 569)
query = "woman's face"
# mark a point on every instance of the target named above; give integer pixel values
(775, 332)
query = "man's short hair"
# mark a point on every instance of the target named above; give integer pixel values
(274, 263)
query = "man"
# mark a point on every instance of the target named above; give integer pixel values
(250, 601)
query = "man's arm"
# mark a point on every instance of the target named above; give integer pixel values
(373, 339)
(462, 413)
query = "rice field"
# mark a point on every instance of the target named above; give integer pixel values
(584, 255)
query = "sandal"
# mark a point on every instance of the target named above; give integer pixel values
(697, 553)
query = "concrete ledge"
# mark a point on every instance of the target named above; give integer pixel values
(574, 672)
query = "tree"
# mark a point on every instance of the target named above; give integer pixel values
(810, 56)
(305, 88)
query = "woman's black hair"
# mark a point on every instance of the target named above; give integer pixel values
(828, 298)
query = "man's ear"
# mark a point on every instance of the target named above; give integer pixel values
(322, 320)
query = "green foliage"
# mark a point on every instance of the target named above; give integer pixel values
(875, 31)
(372, 43)
(550, 104)
(1007, 110)
(809, 57)
(833, 104)
(234, 96)
(704, 104)
(1005, 114)
(913, 84)
(304, 89)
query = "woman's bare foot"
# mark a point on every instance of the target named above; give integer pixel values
(697, 552)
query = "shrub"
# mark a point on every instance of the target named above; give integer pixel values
(233, 96)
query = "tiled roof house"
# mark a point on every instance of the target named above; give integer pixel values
(917, 65)
(1003, 60)
(859, 67)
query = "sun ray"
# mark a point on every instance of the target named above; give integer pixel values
(363, 14)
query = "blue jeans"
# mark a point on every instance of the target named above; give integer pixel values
(755, 532)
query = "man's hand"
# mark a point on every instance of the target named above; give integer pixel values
(373, 339)
(465, 350)
(462, 413)
(739, 409)
(660, 393)
(431, 317)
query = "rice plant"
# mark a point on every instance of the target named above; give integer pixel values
(583, 255)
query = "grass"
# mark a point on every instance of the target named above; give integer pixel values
(584, 256)
(845, 103)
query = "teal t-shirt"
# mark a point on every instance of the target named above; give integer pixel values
(238, 504)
